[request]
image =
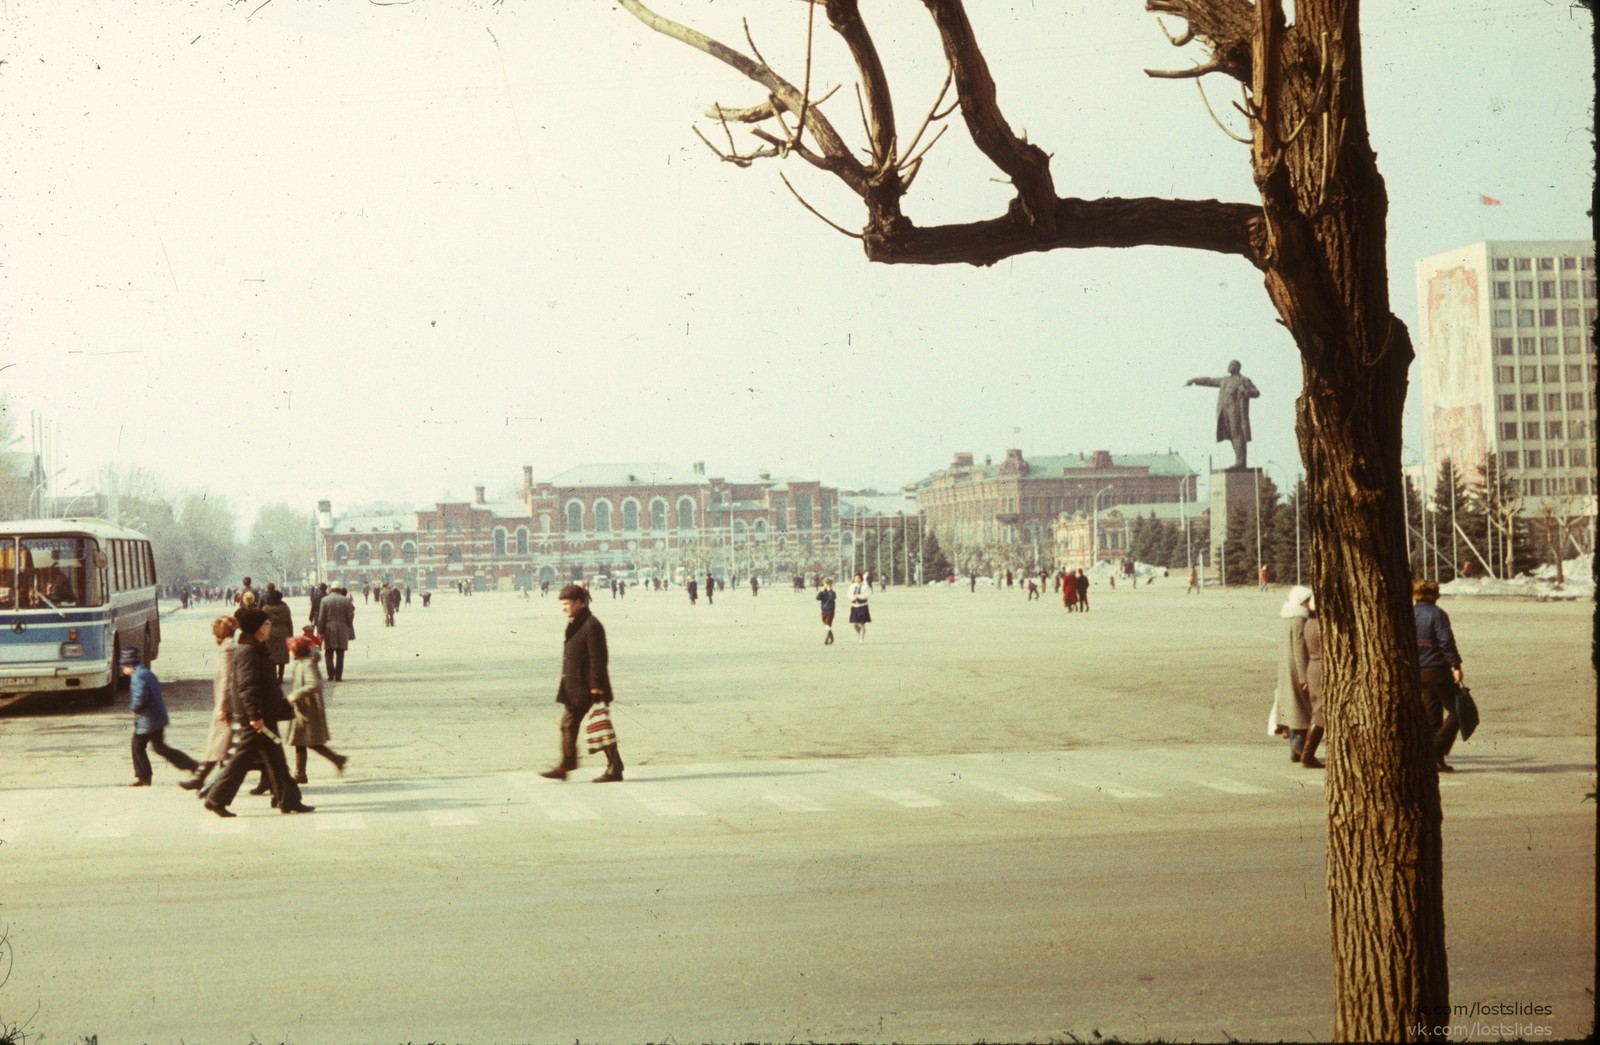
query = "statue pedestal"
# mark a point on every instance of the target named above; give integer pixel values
(1232, 492)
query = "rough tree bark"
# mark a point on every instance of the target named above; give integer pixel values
(1318, 236)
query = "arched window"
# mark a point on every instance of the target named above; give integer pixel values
(685, 513)
(363, 553)
(738, 529)
(454, 555)
(408, 551)
(522, 540)
(760, 529)
(630, 515)
(658, 514)
(386, 552)
(544, 523)
(341, 551)
(574, 517)
(602, 516)
(499, 541)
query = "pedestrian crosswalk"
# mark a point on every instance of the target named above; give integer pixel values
(778, 794)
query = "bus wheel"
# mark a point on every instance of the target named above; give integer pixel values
(104, 696)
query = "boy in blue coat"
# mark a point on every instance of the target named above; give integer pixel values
(149, 719)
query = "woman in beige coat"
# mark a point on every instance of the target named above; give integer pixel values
(1293, 698)
(310, 726)
(222, 629)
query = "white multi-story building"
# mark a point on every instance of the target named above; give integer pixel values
(1507, 365)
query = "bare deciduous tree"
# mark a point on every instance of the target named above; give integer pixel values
(1317, 235)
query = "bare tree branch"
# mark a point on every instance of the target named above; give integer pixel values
(1026, 165)
(813, 210)
(1184, 74)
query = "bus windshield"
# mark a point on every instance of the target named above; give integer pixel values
(46, 572)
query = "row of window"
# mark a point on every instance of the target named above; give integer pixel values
(1570, 344)
(1546, 317)
(133, 565)
(1556, 486)
(1568, 264)
(1533, 402)
(1530, 375)
(1551, 430)
(1578, 457)
(1547, 288)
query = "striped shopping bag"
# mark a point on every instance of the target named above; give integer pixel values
(598, 729)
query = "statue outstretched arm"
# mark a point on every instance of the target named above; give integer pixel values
(1209, 382)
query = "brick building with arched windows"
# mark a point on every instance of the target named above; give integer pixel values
(635, 521)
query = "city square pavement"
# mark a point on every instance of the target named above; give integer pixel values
(992, 820)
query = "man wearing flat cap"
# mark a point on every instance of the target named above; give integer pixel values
(585, 682)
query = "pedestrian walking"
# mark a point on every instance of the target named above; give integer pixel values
(1194, 581)
(1319, 723)
(694, 590)
(1440, 664)
(1291, 698)
(277, 612)
(222, 629)
(336, 623)
(1082, 582)
(711, 587)
(257, 700)
(310, 726)
(585, 682)
(755, 586)
(860, 615)
(391, 604)
(149, 719)
(829, 599)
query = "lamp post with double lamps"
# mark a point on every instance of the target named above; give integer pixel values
(1094, 525)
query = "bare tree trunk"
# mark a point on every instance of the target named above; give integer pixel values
(1319, 239)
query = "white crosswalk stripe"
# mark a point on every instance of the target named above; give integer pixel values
(1013, 792)
(327, 821)
(450, 818)
(909, 798)
(769, 795)
(794, 803)
(665, 805)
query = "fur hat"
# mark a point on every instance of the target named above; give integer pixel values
(575, 591)
(250, 619)
(129, 657)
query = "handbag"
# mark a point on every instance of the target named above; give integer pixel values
(598, 730)
(1466, 712)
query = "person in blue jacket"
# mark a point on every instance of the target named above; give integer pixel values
(149, 719)
(829, 599)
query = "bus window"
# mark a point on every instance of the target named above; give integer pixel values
(62, 571)
(8, 573)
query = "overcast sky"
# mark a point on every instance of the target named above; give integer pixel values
(292, 250)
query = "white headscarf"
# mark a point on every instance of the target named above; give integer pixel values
(1297, 603)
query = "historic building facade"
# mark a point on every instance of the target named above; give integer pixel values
(1020, 502)
(636, 521)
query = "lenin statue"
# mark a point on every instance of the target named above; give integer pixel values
(1233, 408)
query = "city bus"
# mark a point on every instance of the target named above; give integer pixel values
(73, 592)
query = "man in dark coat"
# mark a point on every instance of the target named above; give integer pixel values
(1440, 664)
(584, 683)
(336, 623)
(257, 698)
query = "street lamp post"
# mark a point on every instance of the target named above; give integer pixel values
(1094, 525)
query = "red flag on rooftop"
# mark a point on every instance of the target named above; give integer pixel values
(1488, 201)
